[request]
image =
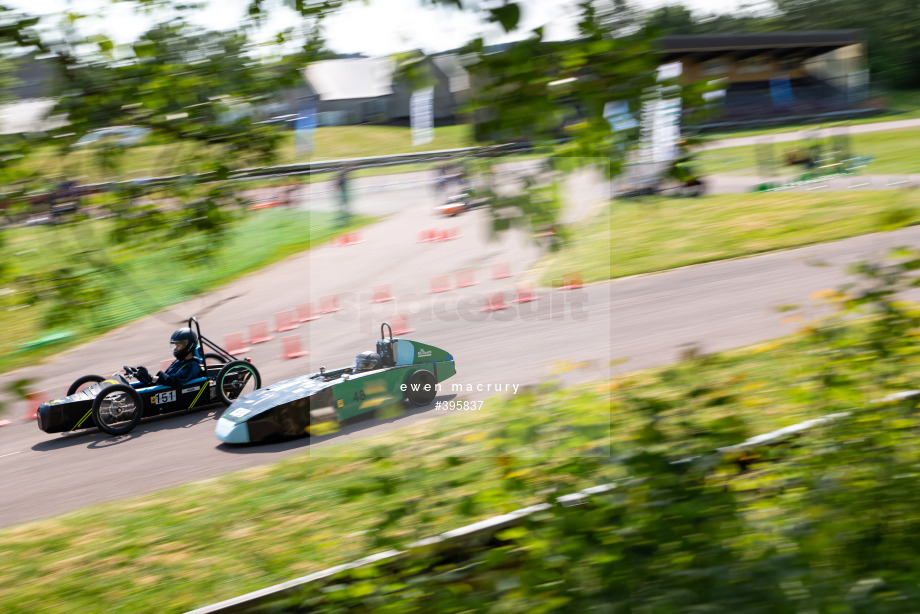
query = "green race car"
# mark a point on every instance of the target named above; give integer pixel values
(399, 371)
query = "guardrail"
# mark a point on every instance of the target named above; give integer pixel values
(287, 170)
(485, 530)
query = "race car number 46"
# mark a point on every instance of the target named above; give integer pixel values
(163, 397)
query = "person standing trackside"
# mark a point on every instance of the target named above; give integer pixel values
(343, 186)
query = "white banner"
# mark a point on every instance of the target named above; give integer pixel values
(421, 116)
(666, 130)
(660, 130)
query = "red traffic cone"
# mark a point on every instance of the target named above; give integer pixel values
(234, 344)
(465, 279)
(290, 347)
(305, 313)
(400, 324)
(34, 399)
(571, 281)
(440, 283)
(329, 303)
(285, 320)
(501, 270)
(258, 332)
(382, 294)
(524, 295)
(495, 302)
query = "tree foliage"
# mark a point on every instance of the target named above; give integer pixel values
(822, 525)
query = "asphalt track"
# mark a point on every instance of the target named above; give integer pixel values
(43, 475)
(642, 321)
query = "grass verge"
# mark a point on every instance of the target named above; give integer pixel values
(138, 277)
(655, 234)
(894, 152)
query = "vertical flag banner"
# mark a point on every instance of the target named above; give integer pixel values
(304, 127)
(618, 115)
(670, 71)
(781, 92)
(666, 130)
(421, 116)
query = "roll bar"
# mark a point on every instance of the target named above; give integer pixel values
(381, 331)
(205, 342)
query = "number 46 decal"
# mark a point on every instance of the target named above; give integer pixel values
(359, 396)
(163, 397)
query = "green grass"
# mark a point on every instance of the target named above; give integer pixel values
(655, 234)
(139, 277)
(894, 151)
(213, 540)
(204, 542)
(901, 104)
(330, 143)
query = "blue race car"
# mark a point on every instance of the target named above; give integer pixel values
(115, 405)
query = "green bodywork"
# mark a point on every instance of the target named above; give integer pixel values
(308, 403)
(356, 394)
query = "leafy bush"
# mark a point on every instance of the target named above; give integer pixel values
(826, 525)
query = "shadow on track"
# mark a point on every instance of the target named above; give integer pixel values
(96, 439)
(349, 427)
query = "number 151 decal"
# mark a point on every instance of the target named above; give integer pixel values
(163, 397)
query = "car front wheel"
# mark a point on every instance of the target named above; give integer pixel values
(117, 409)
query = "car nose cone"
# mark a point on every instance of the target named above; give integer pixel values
(232, 432)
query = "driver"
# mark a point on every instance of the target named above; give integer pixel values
(366, 361)
(186, 366)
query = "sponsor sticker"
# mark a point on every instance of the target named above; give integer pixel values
(424, 353)
(192, 389)
(239, 412)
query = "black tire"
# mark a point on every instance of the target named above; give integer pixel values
(420, 396)
(235, 379)
(214, 360)
(117, 409)
(75, 387)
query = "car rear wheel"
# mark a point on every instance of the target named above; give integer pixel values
(421, 388)
(78, 385)
(117, 409)
(235, 379)
(217, 359)
(214, 361)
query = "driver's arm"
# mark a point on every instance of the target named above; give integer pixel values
(183, 372)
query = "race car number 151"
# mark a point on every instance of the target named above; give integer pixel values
(164, 397)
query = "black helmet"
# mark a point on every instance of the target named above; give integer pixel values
(366, 361)
(183, 341)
